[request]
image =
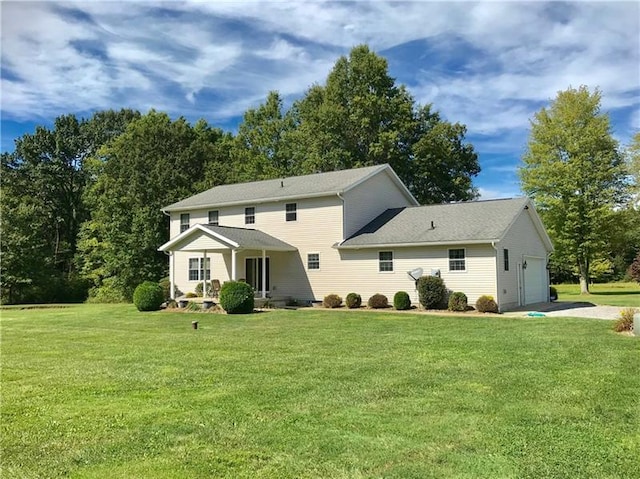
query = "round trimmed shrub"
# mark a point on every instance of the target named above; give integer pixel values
(148, 296)
(236, 297)
(378, 301)
(332, 301)
(486, 304)
(401, 301)
(432, 292)
(458, 301)
(354, 300)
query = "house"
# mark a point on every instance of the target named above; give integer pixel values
(356, 230)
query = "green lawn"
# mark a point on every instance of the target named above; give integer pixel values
(613, 294)
(94, 391)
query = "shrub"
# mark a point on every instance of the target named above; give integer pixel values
(332, 301)
(236, 297)
(458, 301)
(354, 300)
(486, 304)
(378, 301)
(193, 306)
(401, 301)
(148, 296)
(625, 321)
(165, 284)
(198, 289)
(432, 292)
(191, 294)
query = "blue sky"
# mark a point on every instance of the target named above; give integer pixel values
(489, 65)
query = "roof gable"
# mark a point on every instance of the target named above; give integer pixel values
(307, 186)
(228, 237)
(452, 223)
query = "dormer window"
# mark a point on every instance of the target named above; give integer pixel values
(291, 211)
(250, 215)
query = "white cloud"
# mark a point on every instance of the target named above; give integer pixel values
(520, 54)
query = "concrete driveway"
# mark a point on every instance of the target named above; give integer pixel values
(570, 309)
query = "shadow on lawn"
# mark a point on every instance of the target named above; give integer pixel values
(614, 293)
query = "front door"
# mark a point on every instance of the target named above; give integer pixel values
(253, 271)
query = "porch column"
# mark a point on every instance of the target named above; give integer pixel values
(172, 279)
(234, 273)
(204, 274)
(264, 274)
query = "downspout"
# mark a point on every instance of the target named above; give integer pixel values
(546, 266)
(493, 245)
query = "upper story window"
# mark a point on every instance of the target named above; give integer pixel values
(457, 260)
(385, 261)
(291, 211)
(506, 259)
(313, 261)
(184, 222)
(249, 215)
(213, 217)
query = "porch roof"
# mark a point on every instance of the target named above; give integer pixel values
(235, 238)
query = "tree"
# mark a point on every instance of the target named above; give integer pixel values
(633, 155)
(260, 150)
(575, 174)
(43, 185)
(155, 162)
(443, 165)
(634, 269)
(360, 117)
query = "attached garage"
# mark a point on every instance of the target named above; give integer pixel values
(535, 280)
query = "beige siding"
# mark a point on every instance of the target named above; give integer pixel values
(200, 242)
(369, 199)
(317, 228)
(360, 273)
(522, 240)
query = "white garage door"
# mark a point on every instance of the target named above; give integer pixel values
(535, 281)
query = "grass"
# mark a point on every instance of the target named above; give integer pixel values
(612, 294)
(95, 391)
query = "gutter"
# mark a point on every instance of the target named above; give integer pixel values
(408, 245)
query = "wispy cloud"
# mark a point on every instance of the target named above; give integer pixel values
(489, 65)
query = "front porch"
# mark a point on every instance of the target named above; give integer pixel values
(240, 251)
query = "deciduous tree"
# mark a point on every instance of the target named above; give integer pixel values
(574, 172)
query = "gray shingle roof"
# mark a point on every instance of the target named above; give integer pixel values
(470, 222)
(250, 238)
(243, 238)
(319, 184)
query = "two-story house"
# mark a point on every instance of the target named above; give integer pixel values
(356, 230)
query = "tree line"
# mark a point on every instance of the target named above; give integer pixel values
(81, 201)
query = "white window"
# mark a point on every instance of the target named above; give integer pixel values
(291, 211)
(197, 271)
(457, 261)
(213, 217)
(385, 261)
(249, 215)
(184, 222)
(313, 261)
